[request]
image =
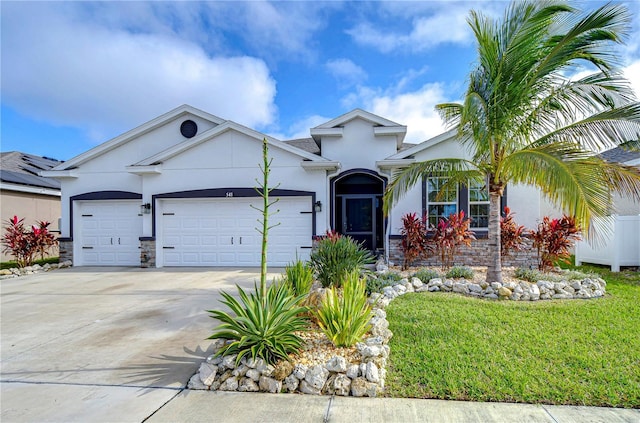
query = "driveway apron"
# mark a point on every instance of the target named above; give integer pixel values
(98, 344)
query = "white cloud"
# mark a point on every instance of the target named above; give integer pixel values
(414, 109)
(432, 24)
(346, 72)
(104, 80)
(632, 73)
(302, 127)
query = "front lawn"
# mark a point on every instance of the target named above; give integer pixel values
(583, 352)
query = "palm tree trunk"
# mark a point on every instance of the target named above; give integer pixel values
(494, 268)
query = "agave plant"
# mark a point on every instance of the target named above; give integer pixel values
(264, 324)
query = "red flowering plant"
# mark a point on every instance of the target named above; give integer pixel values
(553, 239)
(23, 244)
(511, 234)
(450, 234)
(415, 242)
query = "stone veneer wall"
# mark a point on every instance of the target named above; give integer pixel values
(475, 255)
(147, 252)
(65, 249)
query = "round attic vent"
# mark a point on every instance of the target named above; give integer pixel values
(188, 129)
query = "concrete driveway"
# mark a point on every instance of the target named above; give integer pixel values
(105, 344)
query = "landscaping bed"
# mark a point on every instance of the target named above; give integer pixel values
(321, 368)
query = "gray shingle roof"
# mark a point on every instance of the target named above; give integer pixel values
(620, 155)
(21, 168)
(306, 144)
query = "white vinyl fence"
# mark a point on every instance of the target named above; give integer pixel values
(622, 249)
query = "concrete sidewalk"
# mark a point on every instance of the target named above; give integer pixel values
(26, 402)
(190, 406)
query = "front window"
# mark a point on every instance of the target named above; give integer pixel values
(441, 201)
(479, 205)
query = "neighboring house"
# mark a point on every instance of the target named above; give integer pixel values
(25, 194)
(177, 191)
(622, 244)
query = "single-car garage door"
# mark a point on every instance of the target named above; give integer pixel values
(222, 232)
(108, 233)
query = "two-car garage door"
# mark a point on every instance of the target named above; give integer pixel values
(222, 232)
(207, 232)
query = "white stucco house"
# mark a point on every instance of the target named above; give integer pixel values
(177, 191)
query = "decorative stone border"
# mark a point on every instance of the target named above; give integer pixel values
(366, 378)
(15, 272)
(337, 376)
(515, 291)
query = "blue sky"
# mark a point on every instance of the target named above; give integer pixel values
(76, 74)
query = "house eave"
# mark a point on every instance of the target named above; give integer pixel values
(317, 133)
(6, 186)
(145, 170)
(395, 163)
(322, 165)
(398, 131)
(59, 174)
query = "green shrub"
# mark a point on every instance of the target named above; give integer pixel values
(425, 275)
(298, 278)
(263, 325)
(345, 318)
(533, 275)
(530, 275)
(460, 272)
(376, 284)
(336, 256)
(392, 276)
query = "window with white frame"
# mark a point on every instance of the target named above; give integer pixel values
(441, 201)
(479, 205)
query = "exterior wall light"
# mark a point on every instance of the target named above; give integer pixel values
(318, 206)
(145, 208)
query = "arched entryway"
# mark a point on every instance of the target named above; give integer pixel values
(356, 197)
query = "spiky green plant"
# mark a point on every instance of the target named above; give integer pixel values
(334, 257)
(299, 277)
(523, 121)
(263, 326)
(345, 318)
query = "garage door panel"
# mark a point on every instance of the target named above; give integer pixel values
(221, 232)
(109, 231)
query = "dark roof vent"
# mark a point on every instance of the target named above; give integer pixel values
(188, 129)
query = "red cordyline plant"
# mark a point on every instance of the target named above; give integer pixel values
(450, 234)
(511, 234)
(24, 245)
(331, 235)
(553, 239)
(415, 242)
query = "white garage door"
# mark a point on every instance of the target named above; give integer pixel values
(108, 233)
(221, 232)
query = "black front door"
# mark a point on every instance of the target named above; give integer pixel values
(359, 219)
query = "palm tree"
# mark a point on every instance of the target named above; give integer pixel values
(523, 121)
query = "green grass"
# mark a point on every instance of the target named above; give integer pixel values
(583, 352)
(10, 264)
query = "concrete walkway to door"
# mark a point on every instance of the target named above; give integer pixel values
(119, 345)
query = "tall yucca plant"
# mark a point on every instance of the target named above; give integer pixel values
(524, 122)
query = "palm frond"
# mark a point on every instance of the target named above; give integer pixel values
(578, 182)
(600, 131)
(404, 180)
